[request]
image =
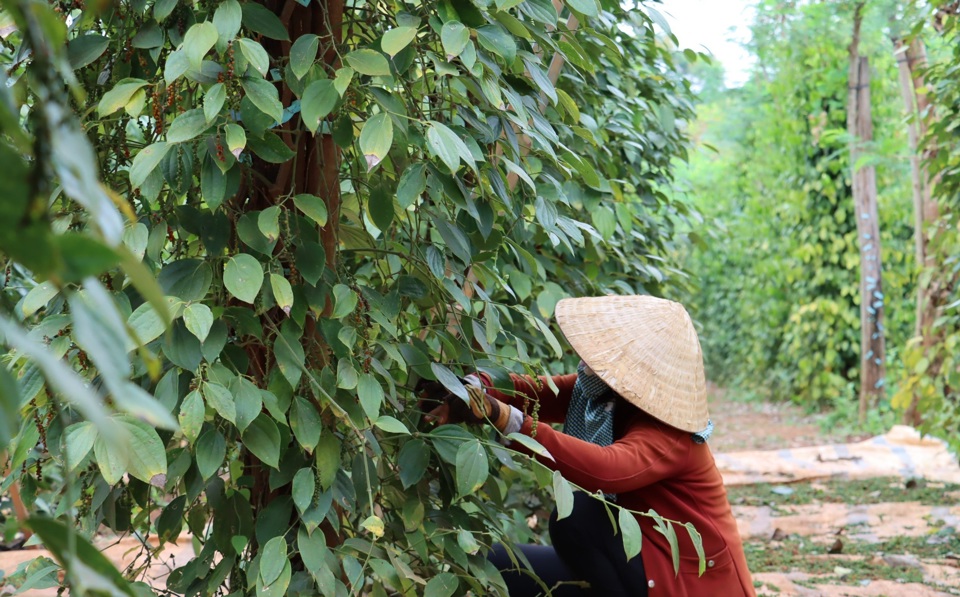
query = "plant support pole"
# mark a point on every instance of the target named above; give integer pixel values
(860, 128)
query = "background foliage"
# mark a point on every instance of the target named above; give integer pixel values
(932, 371)
(240, 234)
(778, 286)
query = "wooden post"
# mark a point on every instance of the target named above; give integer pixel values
(860, 128)
(911, 58)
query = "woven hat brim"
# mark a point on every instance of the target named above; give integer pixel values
(646, 349)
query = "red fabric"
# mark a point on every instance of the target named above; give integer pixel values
(650, 466)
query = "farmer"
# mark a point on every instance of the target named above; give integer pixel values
(635, 428)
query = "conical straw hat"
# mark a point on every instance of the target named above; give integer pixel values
(646, 349)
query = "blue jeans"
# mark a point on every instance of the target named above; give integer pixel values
(585, 551)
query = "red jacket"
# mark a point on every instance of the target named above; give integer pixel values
(650, 466)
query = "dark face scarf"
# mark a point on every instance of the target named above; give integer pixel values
(590, 415)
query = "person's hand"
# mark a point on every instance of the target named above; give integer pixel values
(443, 407)
(486, 408)
(440, 405)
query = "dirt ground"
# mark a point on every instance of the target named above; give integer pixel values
(836, 536)
(744, 424)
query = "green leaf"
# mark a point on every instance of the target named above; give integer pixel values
(303, 53)
(264, 96)
(630, 532)
(436, 262)
(213, 101)
(380, 207)
(413, 182)
(99, 330)
(268, 221)
(605, 221)
(133, 399)
(111, 460)
(328, 459)
(671, 536)
(84, 49)
(200, 39)
(314, 207)
(271, 148)
(549, 336)
(211, 449)
(563, 495)
(198, 319)
(61, 378)
(79, 557)
(587, 8)
(412, 461)
(227, 20)
(455, 240)
(176, 66)
(262, 438)
(147, 324)
(304, 485)
(441, 585)
(467, 542)
(397, 39)
(146, 161)
(221, 400)
(187, 279)
(374, 524)
(256, 56)
(347, 376)
(248, 401)
(79, 439)
(446, 145)
(450, 381)
(147, 457)
(38, 297)
(282, 292)
(342, 81)
(279, 587)
(494, 38)
(258, 18)
(118, 97)
(243, 277)
(376, 139)
(191, 415)
(236, 139)
(391, 425)
(345, 301)
(149, 37)
(472, 467)
(187, 126)
(319, 99)
(368, 62)
(272, 559)
(371, 395)
(305, 423)
(455, 37)
(697, 541)
(530, 444)
(290, 356)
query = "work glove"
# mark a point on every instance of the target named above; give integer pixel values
(443, 406)
(486, 408)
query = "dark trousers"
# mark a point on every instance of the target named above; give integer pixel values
(585, 550)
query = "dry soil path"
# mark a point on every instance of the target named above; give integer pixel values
(835, 537)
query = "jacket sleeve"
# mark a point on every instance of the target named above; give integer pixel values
(644, 455)
(553, 406)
